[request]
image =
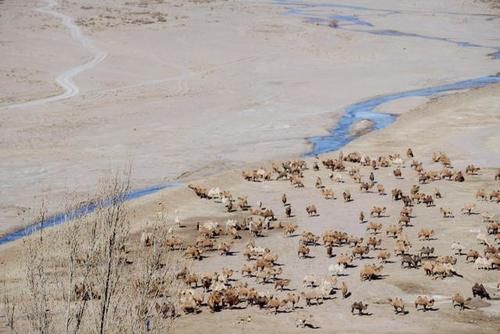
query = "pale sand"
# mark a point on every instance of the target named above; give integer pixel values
(425, 130)
(230, 101)
(234, 83)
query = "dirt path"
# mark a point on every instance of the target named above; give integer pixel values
(65, 79)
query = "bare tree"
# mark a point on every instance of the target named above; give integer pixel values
(155, 287)
(95, 278)
(9, 310)
(36, 307)
(112, 225)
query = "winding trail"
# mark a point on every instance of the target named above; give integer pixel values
(339, 136)
(65, 79)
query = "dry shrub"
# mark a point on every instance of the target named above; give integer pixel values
(88, 276)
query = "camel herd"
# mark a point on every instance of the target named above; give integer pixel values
(221, 290)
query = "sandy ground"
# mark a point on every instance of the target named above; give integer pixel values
(189, 94)
(478, 107)
(189, 83)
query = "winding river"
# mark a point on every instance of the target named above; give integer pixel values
(339, 135)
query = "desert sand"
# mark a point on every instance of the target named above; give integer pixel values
(174, 86)
(222, 86)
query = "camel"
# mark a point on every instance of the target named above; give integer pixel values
(337, 177)
(296, 181)
(428, 200)
(393, 231)
(446, 212)
(347, 196)
(193, 252)
(374, 242)
(166, 310)
(481, 194)
(400, 248)
(281, 284)
(446, 174)
(468, 208)
(336, 269)
(377, 211)
(288, 211)
(472, 170)
(360, 307)
(459, 177)
(361, 251)
(425, 302)
(370, 271)
(409, 153)
(309, 238)
(345, 291)
(460, 301)
(147, 239)
(293, 299)
(327, 193)
(397, 194)
(85, 292)
(383, 256)
(426, 251)
(344, 260)
(397, 173)
(473, 254)
(284, 199)
(366, 186)
(319, 183)
(247, 270)
(201, 192)
(425, 234)
(361, 217)
(380, 190)
(480, 291)
(374, 228)
(290, 229)
(311, 210)
(398, 304)
(303, 251)
(404, 220)
(412, 261)
(314, 294)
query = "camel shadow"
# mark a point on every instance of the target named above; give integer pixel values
(363, 314)
(342, 274)
(311, 326)
(432, 309)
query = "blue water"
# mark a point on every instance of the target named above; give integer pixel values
(303, 10)
(339, 136)
(321, 14)
(83, 210)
